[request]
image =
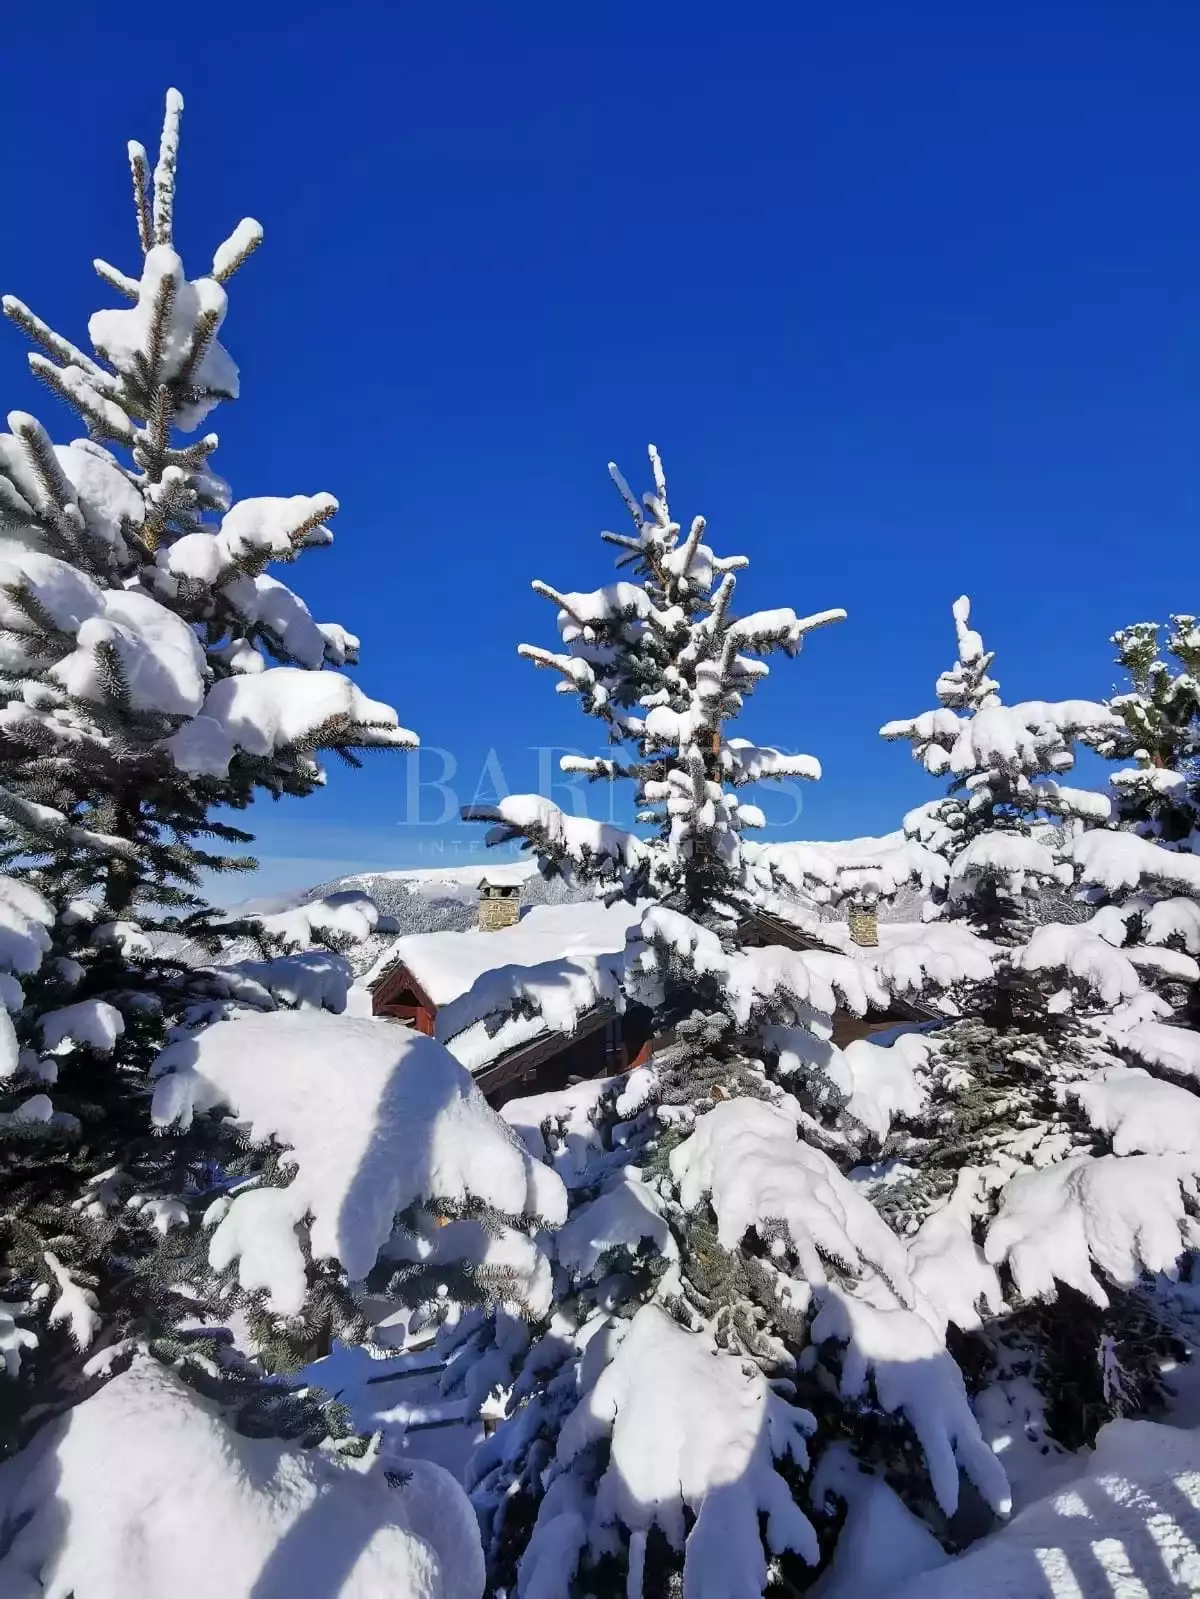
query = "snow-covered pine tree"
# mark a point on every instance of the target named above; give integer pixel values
(152, 673)
(1157, 797)
(716, 1266)
(1043, 1171)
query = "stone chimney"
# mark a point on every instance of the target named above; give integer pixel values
(499, 904)
(864, 921)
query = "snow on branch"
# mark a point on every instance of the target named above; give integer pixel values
(1075, 950)
(1141, 1114)
(1118, 862)
(47, 825)
(1123, 1215)
(625, 1216)
(597, 846)
(377, 1118)
(267, 713)
(745, 1156)
(912, 1373)
(688, 1428)
(749, 980)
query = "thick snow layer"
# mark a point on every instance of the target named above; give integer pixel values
(378, 1118)
(269, 528)
(144, 1491)
(1171, 1049)
(914, 957)
(624, 1215)
(560, 1127)
(311, 979)
(349, 914)
(688, 1428)
(1127, 1528)
(948, 1267)
(25, 922)
(1174, 919)
(1125, 1215)
(1142, 1115)
(820, 979)
(1121, 861)
(160, 657)
(548, 970)
(1011, 857)
(881, 866)
(123, 337)
(905, 1358)
(284, 614)
(93, 1023)
(1074, 949)
(871, 1083)
(161, 660)
(745, 1156)
(14, 1341)
(493, 1250)
(881, 1542)
(883, 1086)
(267, 712)
(246, 237)
(577, 837)
(103, 492)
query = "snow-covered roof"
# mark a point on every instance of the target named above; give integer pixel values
(448, 965)
(497, 990)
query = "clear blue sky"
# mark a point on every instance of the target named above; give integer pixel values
(908, 296)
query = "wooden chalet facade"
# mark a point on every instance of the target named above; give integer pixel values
(602, 1043)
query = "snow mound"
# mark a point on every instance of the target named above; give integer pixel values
(1125, 1529)
(624, 1215)
(377, 1118)
(188, 1508)
(1143, 1115)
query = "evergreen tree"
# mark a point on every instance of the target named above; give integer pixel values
(1044, 1172)
(152, 673)
(1160, 713)
(716, 1265)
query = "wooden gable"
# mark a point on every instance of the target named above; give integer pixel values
(398, 994)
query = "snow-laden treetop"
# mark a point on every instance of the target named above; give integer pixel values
(664, 662)
(133, 590)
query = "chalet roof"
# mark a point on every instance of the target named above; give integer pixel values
(449, 965)
(497, 991)
(551, 975)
